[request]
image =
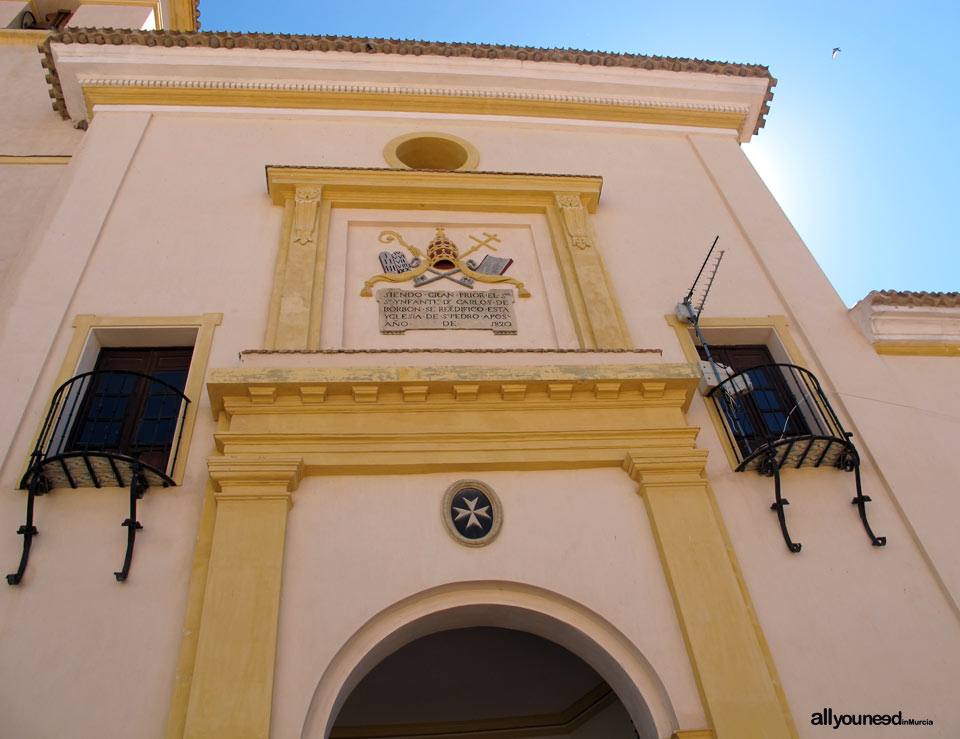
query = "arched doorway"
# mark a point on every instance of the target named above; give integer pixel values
(587, 644)
(482, 680)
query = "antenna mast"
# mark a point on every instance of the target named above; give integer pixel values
(686, 310)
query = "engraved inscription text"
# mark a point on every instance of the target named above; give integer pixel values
(409, 310)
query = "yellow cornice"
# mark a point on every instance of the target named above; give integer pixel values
(917, 349)
(39, 159)
(22, 36)
(411, 103)
(396, 420)
(407, 188)
(644, 381)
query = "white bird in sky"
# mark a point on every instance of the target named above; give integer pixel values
(836, 50)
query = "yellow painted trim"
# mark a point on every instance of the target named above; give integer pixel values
(595, 310)
(357, 420)
(335, 421)
(405, 188)
(276, 296)
(183, 15)
(231, 691)
(8, 159)
(916, 349)
(399, 102)
(694, 734)
(319, 273)
(730, 664)
(194, 386)
(390, 150)
(754, 619)
(224, 381)
(22, 36)
(177, 717)
(84, 323)
(777, 323)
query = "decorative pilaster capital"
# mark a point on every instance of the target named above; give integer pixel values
(666, 467)
(255, 477)
(307, 201)
(574, 218)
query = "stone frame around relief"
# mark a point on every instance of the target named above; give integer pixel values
(566, 202)
(447, 515)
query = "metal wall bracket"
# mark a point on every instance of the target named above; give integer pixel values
(769, 467)
(138, 486)
(850, 461)
(36, 486)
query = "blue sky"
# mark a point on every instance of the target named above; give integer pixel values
(861, 151)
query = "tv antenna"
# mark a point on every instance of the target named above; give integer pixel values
(690, 308)
(690, 312)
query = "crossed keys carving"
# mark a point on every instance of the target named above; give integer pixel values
(442, 262)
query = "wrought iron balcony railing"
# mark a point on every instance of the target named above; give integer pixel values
(777, 416)
(106, 428)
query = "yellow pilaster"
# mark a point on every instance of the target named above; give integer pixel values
(232, 688)
(585, 276)
(300, 250)
(182, 15)
(739, 692)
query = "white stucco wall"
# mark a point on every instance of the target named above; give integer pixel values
(29, 129)
(367, 543)
(25, 193)
(28, 125)
(9, 10)
(114, 16)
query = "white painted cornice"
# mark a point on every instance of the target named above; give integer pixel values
(81, 66)
(888, 322)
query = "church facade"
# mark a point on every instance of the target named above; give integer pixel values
(369, 388)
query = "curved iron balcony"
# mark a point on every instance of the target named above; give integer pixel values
(777, 416)
(105, 428)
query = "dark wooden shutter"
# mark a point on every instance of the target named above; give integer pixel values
(774, 412)
(131, 415)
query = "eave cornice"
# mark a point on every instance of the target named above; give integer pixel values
(114, 90)
(909, 323)
(914, 299)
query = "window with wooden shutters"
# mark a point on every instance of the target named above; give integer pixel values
(133, 403)
(776, 411)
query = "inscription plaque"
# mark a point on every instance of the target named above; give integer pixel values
(416, 310)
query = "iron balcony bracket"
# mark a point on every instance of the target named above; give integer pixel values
(138, 486)
(850, 461)
(769, 467)
(37, 486)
